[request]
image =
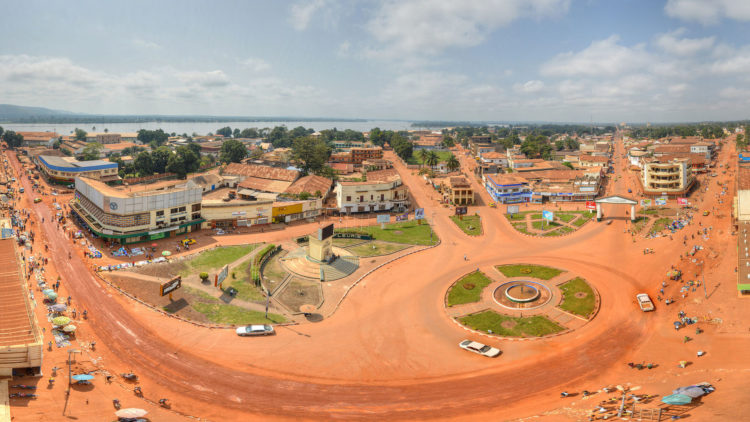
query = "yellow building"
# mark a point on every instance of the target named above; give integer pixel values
(459, 191)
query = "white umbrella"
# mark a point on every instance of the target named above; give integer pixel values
(69, 328)
(131, 412)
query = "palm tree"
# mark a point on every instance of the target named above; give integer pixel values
(422, 155)
(432, 159)
(452, 163)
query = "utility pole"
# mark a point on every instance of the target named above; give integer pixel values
(703, 278)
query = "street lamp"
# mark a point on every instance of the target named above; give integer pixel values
(70, 359)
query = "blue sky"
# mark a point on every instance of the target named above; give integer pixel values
(505, 60)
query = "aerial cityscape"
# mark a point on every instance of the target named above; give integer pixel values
(320, 210)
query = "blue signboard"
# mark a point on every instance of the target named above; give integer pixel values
(7, 232)
(548, 215)
(384, 218)
(419, 214)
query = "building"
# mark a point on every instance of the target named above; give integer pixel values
(741, 217)
(21, 341)
(564, 185)
(586, 160)
(459, 191)
(383, 191)
(222, 209)
(670, 177)
(507, 188)
(66, 169)
(313, 185)
(255, 179)
(494, 157)
(117, 148)
(138, 213)
(38, 139)
(357, 155)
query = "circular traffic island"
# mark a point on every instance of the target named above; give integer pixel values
(521, 301)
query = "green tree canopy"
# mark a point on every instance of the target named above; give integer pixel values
(311, 153)
(183, 161)
(144, 164)
(156, 137)
(160, 158)
(12, 139)
(92, 151)
(225, 132)
(402, 147)
(249, 133)
(452, 163)
(232, 151)
(80, 134)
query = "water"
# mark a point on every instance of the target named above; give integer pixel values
(203, 128)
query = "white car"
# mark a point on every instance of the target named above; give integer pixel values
(255, 330)
(479, 348)
(645, 302)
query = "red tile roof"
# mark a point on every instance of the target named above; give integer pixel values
(260, 171)
(310, 184)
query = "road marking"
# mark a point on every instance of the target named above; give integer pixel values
(127, 330)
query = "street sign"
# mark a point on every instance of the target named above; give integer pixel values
(590, 205)
(221, 276)
(461, 210)
(512, 209)
(402, 217)
(548, 215)
(384, 218)
(661, 201)
(645, 202)
(170, 286)
(419, 214)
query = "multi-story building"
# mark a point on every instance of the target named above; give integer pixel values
(459, 191)
(383, 191)
(38, 139)
(672, 177)
(66, 169)
(357, 155)
(507, 188)
(138, 213)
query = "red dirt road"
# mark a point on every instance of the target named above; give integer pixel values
(390, 351)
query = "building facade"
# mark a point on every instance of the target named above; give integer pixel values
(507, 188)
(667, 177)
(459, 191)
(137, 213)
(383, 191)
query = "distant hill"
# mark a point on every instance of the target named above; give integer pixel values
(10, 112)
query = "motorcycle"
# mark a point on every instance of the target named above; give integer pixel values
(130, 376)
(116, 404)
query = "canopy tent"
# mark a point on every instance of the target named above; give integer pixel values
(61, 320)
(677, 399)
(131, 412)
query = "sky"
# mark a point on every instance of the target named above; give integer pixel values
(469, 60)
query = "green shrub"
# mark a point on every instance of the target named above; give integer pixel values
(203, 276)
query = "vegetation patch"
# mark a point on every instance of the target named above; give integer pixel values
(523, 270)
(468, 289)
(408, 232)
(220, 313)
(543, 225)
(578, 297)
(377, 248)
(470, 224)
(566, 217)
(583, 218)
(518, 216)
(559, 232)
(215, 258)
(659, 225)
(246, 289)
(508, 326)
(639, 224)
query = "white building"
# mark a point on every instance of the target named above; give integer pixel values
(383, 191)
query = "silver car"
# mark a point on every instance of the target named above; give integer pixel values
(479, 348)
(255, 330)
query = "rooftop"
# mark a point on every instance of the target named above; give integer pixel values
(264, 185)
(743, 178)
(143, 189)
(507, 179)
(458, 182)
(261, 171)
(16, 324)
(310, 184)
(72, 163)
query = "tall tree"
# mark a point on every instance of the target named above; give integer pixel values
(422, 156)
(160, 158)
(236, 133)
(402, 147)
(12, 139)
(183, 161)
(144, 164)
(452, 163)
(311, 153)
(155, 138)
(432, 159)
(80, 134)
(92, 151)
(232, 151)
(226, 132)
(249, 133)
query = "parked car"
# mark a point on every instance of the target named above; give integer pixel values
(20, 190)
(37, 200)
(645, 302)
(255, 330)
(479, 348)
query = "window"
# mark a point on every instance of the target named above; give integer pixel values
(182, 209)
(160, 213)
(173, 210)
(361, 198)
(196, 207)
(382, 197)
(348, 199)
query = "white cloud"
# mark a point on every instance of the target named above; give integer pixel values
(145, 44)
(255, 64)
(343, 49)
(708, 11)
(732, 92)
(731, 61)
(673, 44)
(602, 58)
(302, 13)
(427, 27)
(210, 79)
(529, 87)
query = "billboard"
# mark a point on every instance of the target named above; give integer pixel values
(590, 205)
(419, 214)
(170, 286)
(325, 232)
(682, 201)
(461, 210)
(402, 217)
(661, 201)
(548, 215)
(384, 218)
(222, 276)
(645, 202)
(512, 209)
(7, 232)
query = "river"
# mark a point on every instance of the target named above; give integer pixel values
(203, 128)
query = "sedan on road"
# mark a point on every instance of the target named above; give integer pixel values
(255, 330)
(479, 348)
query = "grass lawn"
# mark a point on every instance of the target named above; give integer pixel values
(216, 258)
(649, 211)
(218, 312)
(535, 326)
(246, 289)
(544, 225)
(572, 302)
(273, 272)
(521, 227)
(342, 243)
(442, 157)
(566, 217)
(659, 225)
(536, 216)
(459, 294)
(584, 217)
(559, 232)
(471, 224)
(534, 271)
(518, 216)
(408, 232)
(376, 248)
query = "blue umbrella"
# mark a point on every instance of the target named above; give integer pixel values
(59, 307)
(51, 295)
(83, 377)
(677, 399)
(45, 291)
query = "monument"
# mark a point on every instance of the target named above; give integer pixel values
(321, 245)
